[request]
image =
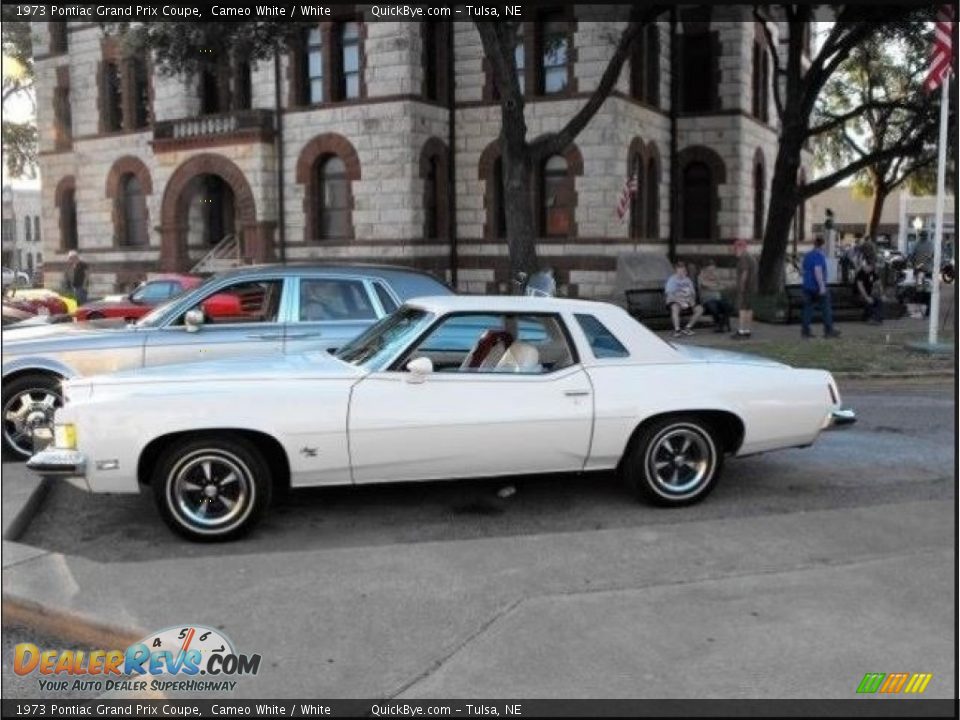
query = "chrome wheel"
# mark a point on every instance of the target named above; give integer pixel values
(211, 491)
(679, 460)
(26, 412)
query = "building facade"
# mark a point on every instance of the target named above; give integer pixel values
(385, 148)
(22, 239)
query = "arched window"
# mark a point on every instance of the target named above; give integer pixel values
(556, 207)
(27, 229)
(68, 220)
(652, 188)
(36, 228)
(637, 176)
(433, 170)
(332, 198)
(759, 199)
(697, 210)
(133, 212)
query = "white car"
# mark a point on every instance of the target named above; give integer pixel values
(444, 388)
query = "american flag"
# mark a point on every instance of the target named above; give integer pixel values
(942, 48)
(629, 190)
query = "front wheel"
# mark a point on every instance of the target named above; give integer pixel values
(675, 461)
(29, 403)
(212, 489)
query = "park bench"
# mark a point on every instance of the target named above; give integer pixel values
(649, 306)
(844, 301)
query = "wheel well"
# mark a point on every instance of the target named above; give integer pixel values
(727, 426)
(17, 374)
(270, 447)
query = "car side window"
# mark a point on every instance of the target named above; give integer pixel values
(153, 292)
(386, 300)
(495, 343)
(603, 343)
(333, 299)
(250, 301)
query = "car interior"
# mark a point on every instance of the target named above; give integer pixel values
(530, 344)
(247, 302)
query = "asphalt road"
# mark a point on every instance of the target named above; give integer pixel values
(901, 449)
(570, 587)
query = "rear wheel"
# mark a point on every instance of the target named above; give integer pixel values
(212, 489)
(29, 402)
(674, 461)
(94, 315)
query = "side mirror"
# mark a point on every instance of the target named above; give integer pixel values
(193, 319)
(419, 368)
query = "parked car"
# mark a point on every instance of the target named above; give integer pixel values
(15, 278)
(142, 300)
(444, 388)
(262, 310)
(40, 301)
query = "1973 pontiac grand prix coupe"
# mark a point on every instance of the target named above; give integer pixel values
(444, 388)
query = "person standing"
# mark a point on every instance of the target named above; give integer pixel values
(77, 277)
(746, 289)
(868, 285)
(815, 290)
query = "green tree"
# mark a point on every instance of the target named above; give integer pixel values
(19, 139)
(177, 45)
(880, 74)
(799, 91)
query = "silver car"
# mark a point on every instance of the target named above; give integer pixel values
(261, 310)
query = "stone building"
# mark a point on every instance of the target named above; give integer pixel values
(21, 230)
(143, 172)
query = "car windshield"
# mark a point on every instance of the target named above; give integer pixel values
(383, 340)
(152, 318)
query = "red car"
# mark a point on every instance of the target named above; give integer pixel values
(149, 294)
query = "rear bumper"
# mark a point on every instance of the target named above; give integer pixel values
(841, 417)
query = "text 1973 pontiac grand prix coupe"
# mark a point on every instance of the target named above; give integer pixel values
(444, 388)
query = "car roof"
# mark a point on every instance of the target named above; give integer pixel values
(505, 303)
(298, 267)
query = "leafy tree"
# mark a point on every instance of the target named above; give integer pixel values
(19, 139)
(882, 70)
(177, 46)
(803, 108)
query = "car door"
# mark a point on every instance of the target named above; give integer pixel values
(329, 311)
(245, 317)
(469, 421)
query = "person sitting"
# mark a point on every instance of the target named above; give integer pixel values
(712, 298)
(681, 297)
(868, 285)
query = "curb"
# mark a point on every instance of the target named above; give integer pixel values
(71, 627)
(23, 517)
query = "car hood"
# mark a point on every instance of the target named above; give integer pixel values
(30, 338)
(712, 355)
(306, 366)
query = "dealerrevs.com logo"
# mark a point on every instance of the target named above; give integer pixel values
(184, 658)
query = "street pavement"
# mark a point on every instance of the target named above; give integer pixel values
(804, 570)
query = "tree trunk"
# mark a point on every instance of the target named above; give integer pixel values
(784, 198)
(879, 198)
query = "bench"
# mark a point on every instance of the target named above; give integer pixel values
(845, 302)
(649, 305)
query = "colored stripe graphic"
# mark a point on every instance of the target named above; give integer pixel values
(918, 683)
(893, 683)
(871, 682)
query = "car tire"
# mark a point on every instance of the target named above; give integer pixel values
(674, 461)
(212, 489)
(95, 315)
(31, 400)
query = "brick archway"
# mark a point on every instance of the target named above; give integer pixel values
(121, 168)
(256, 237)
(319, 149)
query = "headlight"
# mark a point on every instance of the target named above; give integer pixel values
(65, 436)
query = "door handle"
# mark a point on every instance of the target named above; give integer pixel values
(264, 336)
(576, 393)
(301, 336)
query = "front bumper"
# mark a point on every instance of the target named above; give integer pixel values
(55, 462)
(841, 417)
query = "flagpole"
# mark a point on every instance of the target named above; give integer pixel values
(938, 228)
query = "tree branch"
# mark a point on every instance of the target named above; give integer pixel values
(777, 70)
(818, 186)
(553, 143)
(838, 120)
